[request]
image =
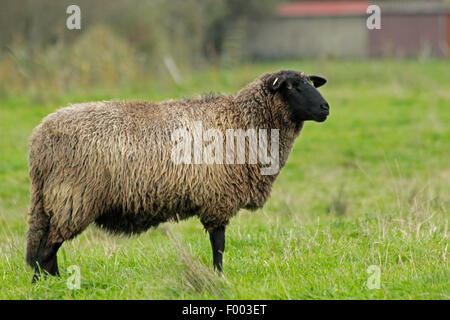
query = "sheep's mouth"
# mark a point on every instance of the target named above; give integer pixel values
(316, 115)
(322, 117)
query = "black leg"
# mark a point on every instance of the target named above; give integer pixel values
(217, 237)
(53, 265)
(47, 261)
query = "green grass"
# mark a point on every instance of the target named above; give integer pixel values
(370, 186)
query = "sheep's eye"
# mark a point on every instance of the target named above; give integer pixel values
(289, 86)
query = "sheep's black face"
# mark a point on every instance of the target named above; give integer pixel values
(299, 92)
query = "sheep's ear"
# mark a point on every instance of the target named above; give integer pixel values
(317, 81)
(274, 82)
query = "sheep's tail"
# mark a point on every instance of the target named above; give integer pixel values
(38, 224)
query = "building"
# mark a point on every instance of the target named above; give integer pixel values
(338, 29)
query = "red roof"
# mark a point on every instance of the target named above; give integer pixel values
(325, 8)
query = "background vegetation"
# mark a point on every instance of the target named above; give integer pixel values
(367, 187)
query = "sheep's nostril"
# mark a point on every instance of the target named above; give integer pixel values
(325, 107)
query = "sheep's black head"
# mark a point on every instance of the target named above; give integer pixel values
(299, 92)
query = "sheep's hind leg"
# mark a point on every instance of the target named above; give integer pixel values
(47, 260)
(217, 238)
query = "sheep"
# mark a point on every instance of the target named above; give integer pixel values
(111, 163)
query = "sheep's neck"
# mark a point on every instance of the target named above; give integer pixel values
(260, 109)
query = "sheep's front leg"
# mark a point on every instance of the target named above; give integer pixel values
(217, 237)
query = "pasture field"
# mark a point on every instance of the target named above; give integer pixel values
(368, 187)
